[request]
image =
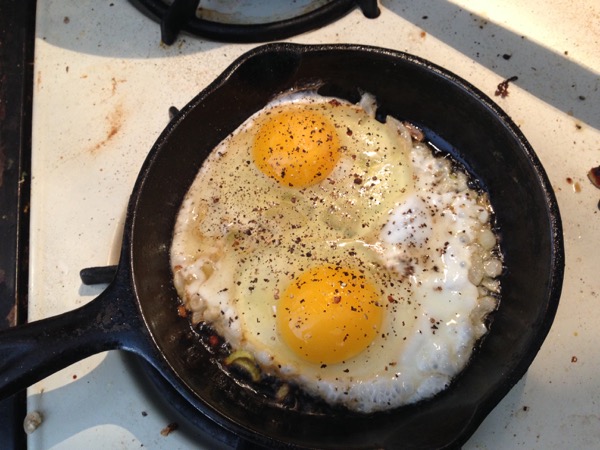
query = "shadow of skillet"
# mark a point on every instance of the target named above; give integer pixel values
(550, 76)
(95, 28)
(107, 387)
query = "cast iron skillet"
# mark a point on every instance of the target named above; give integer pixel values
(137, 312)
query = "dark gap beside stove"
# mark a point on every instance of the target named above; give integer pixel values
(17, 36)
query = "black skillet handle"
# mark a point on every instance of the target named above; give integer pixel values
(31, 352)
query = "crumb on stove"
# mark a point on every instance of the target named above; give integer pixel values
(502, 89)
(32, 421)
(169, 429)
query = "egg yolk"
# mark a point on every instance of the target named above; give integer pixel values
(329, 314)
(296, 146)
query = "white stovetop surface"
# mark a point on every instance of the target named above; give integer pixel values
(103, 86)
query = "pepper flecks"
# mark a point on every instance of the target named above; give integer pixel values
(270, 239)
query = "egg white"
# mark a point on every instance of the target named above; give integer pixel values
(388, 206)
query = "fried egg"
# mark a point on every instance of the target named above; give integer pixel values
(345, 257)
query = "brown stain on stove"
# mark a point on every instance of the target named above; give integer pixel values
(115, 121)
(114, 84)
(575, 184)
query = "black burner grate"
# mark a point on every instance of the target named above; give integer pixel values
(181, 15)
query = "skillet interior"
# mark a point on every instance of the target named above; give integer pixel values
(408, 88)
